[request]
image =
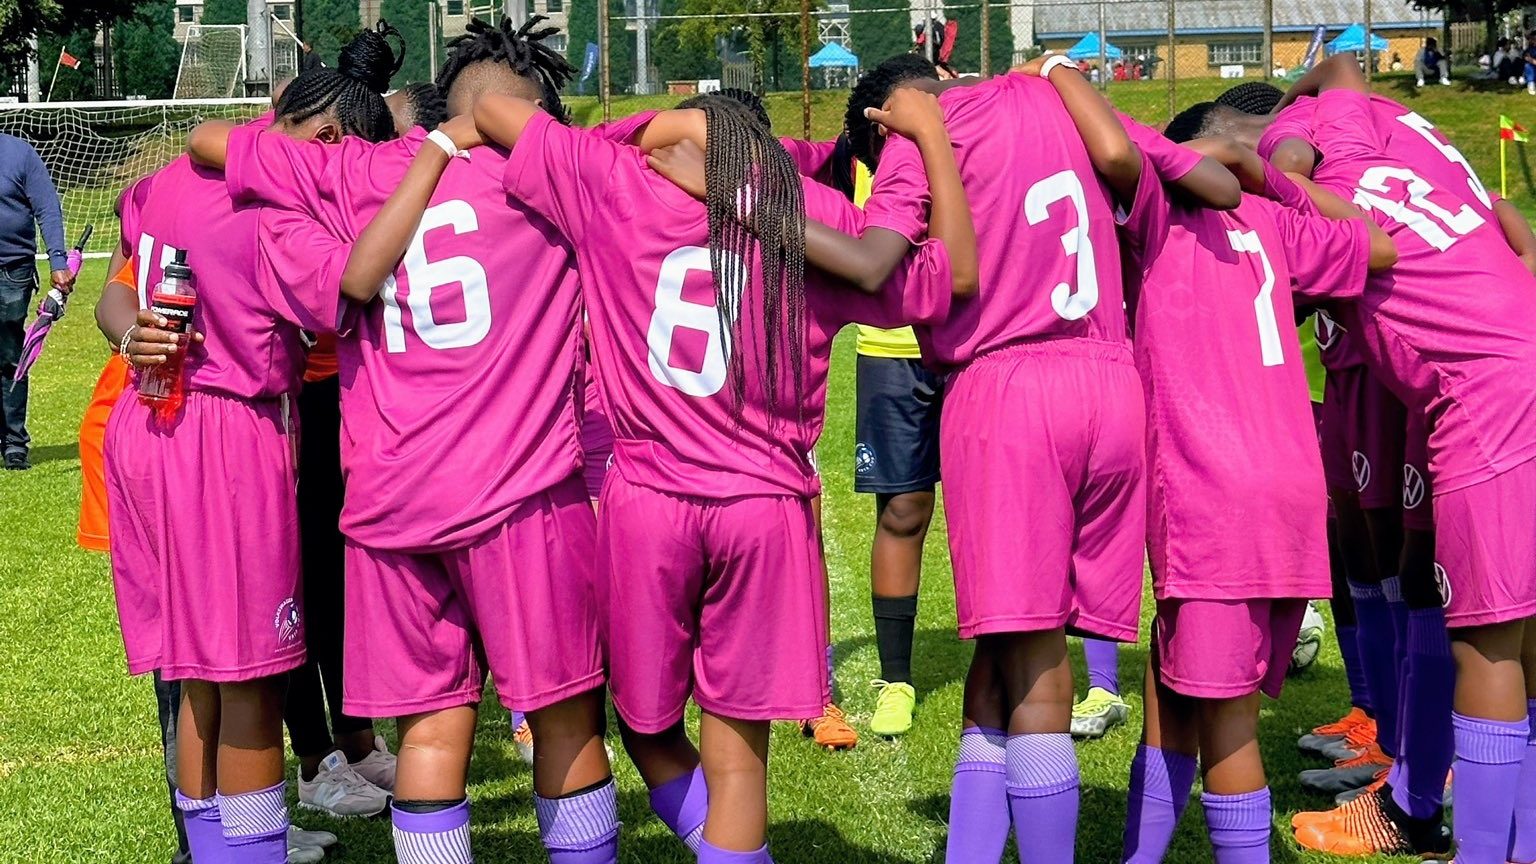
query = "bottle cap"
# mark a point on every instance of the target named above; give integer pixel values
(178, 268)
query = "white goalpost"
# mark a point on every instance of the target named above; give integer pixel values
(94, 149)
(213, 59)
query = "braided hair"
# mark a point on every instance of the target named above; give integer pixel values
(873, 88)
(753, 102)
(1254, 97)
(1200, 121)
(350, 92)
(756, 209)
(523, 50)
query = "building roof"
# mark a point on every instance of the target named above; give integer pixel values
(1150, 17)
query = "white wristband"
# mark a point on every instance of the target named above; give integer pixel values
(441, 139)
(1054, 61)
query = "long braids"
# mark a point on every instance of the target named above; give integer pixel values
(756, 210)
(522, 49)
(352, 90)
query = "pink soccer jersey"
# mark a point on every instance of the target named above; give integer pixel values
(252, 346)
(1451, 329)
(1236, 502)
(459, 382)
(662, 366)
(1049, 257)
(813, 158)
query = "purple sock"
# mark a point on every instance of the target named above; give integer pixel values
(1103, 660)
(1428, 743)
(256, 825)
(714, 855)
(581, 828)
(1160, 784)
(517, 719)
(978, 800)
(1378, 657)
(205, 829)
(1349, 650)
(682, 803)
(1489, 757)
(1043, 796)
(1239, 826)
(831, 674)
(432, 838)
(1392, 592)
(1522, 841)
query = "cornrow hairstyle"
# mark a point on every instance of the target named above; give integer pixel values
(756, 209)
(1193, 122)
(521, 49)
(1254, 97)
(752, 101)
(429, 109)
(873, 88)
(351, 91)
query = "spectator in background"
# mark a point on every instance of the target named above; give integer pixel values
(1507, 65)
(27, 200)
(1431, 62)
(1529, 57)
(308, 60)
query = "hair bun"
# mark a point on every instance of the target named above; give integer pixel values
(369, 59)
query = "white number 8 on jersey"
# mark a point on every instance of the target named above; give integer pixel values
(673, 311)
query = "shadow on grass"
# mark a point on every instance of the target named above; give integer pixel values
(55, 453)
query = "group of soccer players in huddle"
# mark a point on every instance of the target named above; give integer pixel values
(1111, 309)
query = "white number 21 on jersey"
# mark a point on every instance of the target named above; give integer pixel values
(428, 276)
(1270, 347)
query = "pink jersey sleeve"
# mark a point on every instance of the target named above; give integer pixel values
(1284, 190)
(1145, 225)
(298, 269)
(624, 129)
(919, 290)
(1172, 161)
(1328, 258)
(812, 158)
(271, 168)
(1294, 122)
(899, 199)
(131, 206)
(1344, 120)
(562, 173)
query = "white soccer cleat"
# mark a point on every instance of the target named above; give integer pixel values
(1309, 641)
(378, 767)
(340, 791)
(304, 854)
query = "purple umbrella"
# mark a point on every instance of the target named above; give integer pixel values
(50, 310)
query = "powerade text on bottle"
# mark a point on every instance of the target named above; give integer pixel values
(175, 300)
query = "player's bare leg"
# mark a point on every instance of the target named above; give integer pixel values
(573, 790)
(1236, 795)
(1162, 772)
(895, 569)
(431, 811)
(250, 769)
(1043, 780)
(1492, 735)
(735, 759)
(669, 764)
(978, 806)
(197, 747)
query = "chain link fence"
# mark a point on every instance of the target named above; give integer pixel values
(1146, 49)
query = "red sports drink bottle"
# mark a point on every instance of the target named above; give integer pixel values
(160, 387)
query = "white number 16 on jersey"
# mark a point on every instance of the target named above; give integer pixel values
(428, 276)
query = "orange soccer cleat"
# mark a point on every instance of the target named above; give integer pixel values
(1374, 825)
(831, 729)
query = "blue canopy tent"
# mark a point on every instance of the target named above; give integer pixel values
(834, 56)
(1353, 40)
(1087, 48)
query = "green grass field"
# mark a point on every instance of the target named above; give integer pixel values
(80, 772)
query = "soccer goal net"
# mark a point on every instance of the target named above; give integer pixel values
(94, 149)
(213, 60)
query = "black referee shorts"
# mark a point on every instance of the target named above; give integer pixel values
(899, 402)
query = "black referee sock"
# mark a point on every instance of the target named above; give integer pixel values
(895, 619)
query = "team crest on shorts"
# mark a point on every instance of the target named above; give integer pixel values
(1413, 488)
(1327, 331)
(1443, 583)
(1362, 467)
(863, 459)
(286, 622)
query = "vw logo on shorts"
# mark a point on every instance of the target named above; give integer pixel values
(863, 459)
(1443, 582)
(1413, 488)
(1362, 468)
(1327, 331)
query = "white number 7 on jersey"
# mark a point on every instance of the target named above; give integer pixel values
(1270, 347)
